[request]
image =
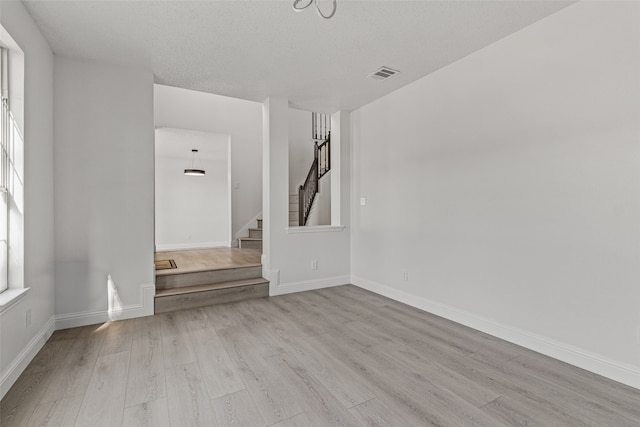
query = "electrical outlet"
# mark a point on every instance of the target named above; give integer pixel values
(314, 264)
(363, 201)
(28, 317)
(405, 275)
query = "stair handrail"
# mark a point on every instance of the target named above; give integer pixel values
(307, 193)
(323, 153)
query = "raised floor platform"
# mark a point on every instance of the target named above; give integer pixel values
(191, 260)
(207, 277)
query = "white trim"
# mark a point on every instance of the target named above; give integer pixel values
(20, 363)
(83, 318)
(10, 297)
(315, 229)
(617, 371)
(186, 246)
(253, 223)
(307, 285)
(229, 193)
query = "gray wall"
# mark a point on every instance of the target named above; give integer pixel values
(103, 185)
(508, 186)
(15, 336)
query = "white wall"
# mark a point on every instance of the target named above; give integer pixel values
(320, 213)
(103, 189)
(187, 109)
(19, 343)
(508, 185)
(192, 211)
(300, 148)
(288, 252)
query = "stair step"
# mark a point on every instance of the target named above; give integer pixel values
(250, 243)
(181, 280)
(209, 286)
(255, 233)
(259, 223)
(209, 294)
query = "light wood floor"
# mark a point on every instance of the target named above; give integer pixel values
(193, 260)
(334, 357)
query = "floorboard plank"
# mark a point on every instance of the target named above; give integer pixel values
(236, 410)
(220, 375)
(103, 403)
(61, 412)
(25, 395)
(154, 413)
(176, 345)
(73, 376)
(310, 392)
(117, 338)
(274, 399)
(188, 401)
(146, 380)
(372, 413)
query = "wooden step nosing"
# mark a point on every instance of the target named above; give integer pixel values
(205, 270)
(209, 287)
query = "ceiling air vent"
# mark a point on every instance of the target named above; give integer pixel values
(383, 73)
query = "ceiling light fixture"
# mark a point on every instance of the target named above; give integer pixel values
(298, 8)
(192, 171)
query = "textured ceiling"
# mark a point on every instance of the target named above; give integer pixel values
(256, 49)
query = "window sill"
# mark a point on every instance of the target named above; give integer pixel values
(10, 297)
(315, 229)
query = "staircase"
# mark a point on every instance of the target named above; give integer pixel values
(179, 291)
(254, 241)
(294, 207)
(321, 131)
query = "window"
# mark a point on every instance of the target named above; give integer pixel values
(4, 170)
(11, 166)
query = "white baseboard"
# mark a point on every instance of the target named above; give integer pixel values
(19, 364)
(617, 371)
(146, 308)
(186, 246)
(307, 285)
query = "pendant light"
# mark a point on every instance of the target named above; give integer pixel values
(192, 171)
(297, 7)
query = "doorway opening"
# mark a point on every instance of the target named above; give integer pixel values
(192, 211)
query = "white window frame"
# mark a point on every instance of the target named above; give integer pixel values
(5, 161)
(12, 170)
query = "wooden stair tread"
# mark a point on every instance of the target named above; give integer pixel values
(210, 287)
(250, 238)
(175, 273)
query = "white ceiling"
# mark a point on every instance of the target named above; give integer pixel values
(256, 49)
